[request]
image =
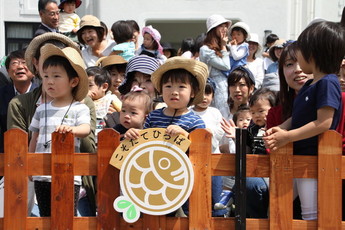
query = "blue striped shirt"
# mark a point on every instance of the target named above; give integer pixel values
(188, 121)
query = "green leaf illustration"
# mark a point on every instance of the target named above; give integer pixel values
(131, 213)
(123, 204)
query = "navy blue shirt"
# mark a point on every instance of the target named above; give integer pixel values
(325, 92)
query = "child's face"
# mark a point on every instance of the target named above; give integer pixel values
(238, 36)
(177, 94)
(116, 79)
(205, 103)
(133, 113)
(56, 82)
(341, 76)
(239, 92)
(259, 111)
(90, 37)
(305, 66)
(243, 119)
(96, 92)
(144, 81)
(148, 41)
(69, 7)
(294, 75)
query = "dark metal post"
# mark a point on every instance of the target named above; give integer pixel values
(240, 179)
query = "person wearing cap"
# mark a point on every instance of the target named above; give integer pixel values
(275, 51)
(168, 50)
(69, 20)
(22, 107)
(92, 35)
(254, 61)
(66, 113)
(151, 45)
(215, 54)
(116, 66)
(49, 14)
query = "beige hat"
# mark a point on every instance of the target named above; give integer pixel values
(110, 60)
(37, 42)
(277, 44)
(216, 20)
(89, 20)
(77, 62)
(198, 69)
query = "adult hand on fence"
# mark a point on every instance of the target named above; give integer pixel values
(275, 138)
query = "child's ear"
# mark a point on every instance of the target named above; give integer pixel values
(75, 81)
(105, 86)
(192, 94)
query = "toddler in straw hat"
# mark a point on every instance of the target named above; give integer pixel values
(65, 80)
(181, 82)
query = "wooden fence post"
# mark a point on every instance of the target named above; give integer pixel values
(62, 187)
(16, 180)
(329, 181)
(281, 188)
(107, 181)
(200, 198)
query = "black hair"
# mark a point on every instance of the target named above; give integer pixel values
(105, 28)
(324, 43)
(209, 89)
(134, 25)
(199, 41)
(66, 1)
(240, 29)
(187, 44)
(99, 30)
(122, 31)
(235, 76)
(43, 3)
(100, 75)
(121, 68)
(63, 62)
(180, 75)
(18, 54)
(241, 109)
(271, 38)
(286, 94)
(263, 93)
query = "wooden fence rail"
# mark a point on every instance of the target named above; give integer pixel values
(281, 166)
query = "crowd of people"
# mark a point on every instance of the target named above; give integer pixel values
(78, 76)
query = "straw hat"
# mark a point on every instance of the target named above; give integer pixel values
(39, 40)
(77, 3)
(110, 60)
(198, 69)
(241, 25)
(77, 62)
(89, 20)
(216, 20)
(143, 64)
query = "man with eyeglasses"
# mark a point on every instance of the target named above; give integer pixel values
(49, 13)
(21, 82)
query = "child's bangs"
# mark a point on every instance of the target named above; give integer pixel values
(176, 76)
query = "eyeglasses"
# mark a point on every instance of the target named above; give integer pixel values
(17, 63)
(52, 13)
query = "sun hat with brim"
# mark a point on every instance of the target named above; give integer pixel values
(255, 38)
(89, 21)
(110, 60)
(143, 64)
(35, 43)
(277, 44)
(77, 62)
(198, 69)
(62, 2)
(241, 25)
(155, 35)
(216, 20)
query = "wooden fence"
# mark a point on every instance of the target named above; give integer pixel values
(281, 166)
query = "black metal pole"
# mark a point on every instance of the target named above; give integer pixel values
(240, 179)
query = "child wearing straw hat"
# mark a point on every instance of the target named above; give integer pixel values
(182, 83)
(65, 80)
